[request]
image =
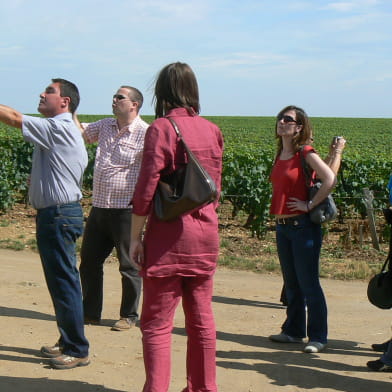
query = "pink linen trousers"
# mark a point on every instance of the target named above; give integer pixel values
(180, 256)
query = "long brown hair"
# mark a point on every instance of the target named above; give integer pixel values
(303, 136)
(176, 87)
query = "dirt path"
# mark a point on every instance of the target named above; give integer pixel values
(247, 311)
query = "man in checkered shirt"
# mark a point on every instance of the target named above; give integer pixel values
(117, 163)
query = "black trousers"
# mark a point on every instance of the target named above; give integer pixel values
(108, 228)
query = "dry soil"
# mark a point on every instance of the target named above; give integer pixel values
(247, 310)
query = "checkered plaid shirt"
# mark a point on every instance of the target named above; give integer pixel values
(117, 161)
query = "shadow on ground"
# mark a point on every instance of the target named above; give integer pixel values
(8, 384)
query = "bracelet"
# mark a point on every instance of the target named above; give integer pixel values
(338, 151)
(309, 204)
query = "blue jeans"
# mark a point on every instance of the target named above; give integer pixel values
(299, 251)
(387, 356)
(58, 227)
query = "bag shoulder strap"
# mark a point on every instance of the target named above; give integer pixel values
(175, 126)
(389, 257)
(192, 157)
(177, 130)
(388, 260)
(305, 167)
(187, 150)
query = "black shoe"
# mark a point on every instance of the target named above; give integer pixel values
(378, 366)
(89, 320)
(381, 347)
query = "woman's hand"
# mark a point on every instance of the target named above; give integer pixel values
(136, 249)
(297, 205)
(136, 254)
(337, 145)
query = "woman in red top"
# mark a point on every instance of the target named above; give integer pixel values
(178, 258)
(298, 239)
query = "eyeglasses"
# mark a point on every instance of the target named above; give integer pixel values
(120, 97)
(286, 119)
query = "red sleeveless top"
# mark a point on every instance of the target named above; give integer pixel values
(288, 180)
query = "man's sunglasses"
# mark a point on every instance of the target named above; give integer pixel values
(119, 97)
(286, 119)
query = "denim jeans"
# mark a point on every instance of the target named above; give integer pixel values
(299, 251)
(387, 356)
(108, 228)
(58, 227)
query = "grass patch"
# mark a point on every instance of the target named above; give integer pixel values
(250, 264)
(348, 270)
(240, 263)
(12, 244)
(5, 223)
(337, 261)
(21, 243)
(32, 244)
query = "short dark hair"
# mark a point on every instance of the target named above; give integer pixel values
(68, 89)
(176, 87)
(135, 95)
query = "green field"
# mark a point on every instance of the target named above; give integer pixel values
(249, 151)
(366, 137)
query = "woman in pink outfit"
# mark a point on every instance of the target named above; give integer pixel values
(177, 259)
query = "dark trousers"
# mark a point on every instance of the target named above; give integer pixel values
(58, 227)
(299, 250)
(387, 356)
(108, 228)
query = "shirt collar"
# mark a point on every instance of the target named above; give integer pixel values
(128, 128)
(181, 112)
(65, 116)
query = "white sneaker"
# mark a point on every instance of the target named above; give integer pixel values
(314, 347)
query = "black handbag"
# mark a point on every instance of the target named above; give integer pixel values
(186, 189)
(379, 289)
(324, 211)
